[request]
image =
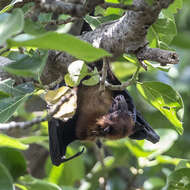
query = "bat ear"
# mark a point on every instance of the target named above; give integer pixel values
(142, 130)
(61, 134)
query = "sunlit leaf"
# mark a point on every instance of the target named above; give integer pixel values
(62, 42)
(93, 80)
(9, 6)
(175, 6)
(68, 109)
(6, 141)
(137, 150)
(33, 139)
(77, 71)
(158, 32)
(166, 100)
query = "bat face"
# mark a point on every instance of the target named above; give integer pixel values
(118, 123)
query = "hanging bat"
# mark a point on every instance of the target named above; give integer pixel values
(111, 115)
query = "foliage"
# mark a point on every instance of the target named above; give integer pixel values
(163, 165)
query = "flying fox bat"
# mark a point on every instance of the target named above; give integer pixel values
(111, 115)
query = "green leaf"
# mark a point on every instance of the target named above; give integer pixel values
(62, 42)
(77, 71)
(182, 40)
(33, 28)
(157, 66)
(69, 172)
(6, 181)
(111, 11)
(37, 184)
(153, 183)
(27, 66)
(167, 139)
(11, 25)
(175, 6)
(166, 100)
(162, 159)
(93, 80)
(178, 180)
(6, 86)
(13, 160)
(137, 150)
(94, 22)
(6, 141)
(150, 2)
(183, 164)
(33, 139)
(162, 32)
(9, 105)
(9, 6)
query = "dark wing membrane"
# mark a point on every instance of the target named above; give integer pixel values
(142, 130)
(61, 134)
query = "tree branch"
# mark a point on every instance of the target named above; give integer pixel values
(164, 57)
(73, 9)
(125, 35)
(13, 124)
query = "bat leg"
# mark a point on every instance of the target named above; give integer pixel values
(64, 159)
(142, 130)
(61, 134)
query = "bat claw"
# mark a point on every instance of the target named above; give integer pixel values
(64, 159)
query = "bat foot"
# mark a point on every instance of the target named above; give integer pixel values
(64, 159)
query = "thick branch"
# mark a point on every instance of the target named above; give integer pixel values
(73, 9)
(125, 35)
(155, 54)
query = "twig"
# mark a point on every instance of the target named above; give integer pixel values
(73, 9)
(59, 22)
(99, 152)
(54, 83)
(163, 57)
(125, 84)
(4, 51)
(13, 124)
(104, 74)
(121, 6)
